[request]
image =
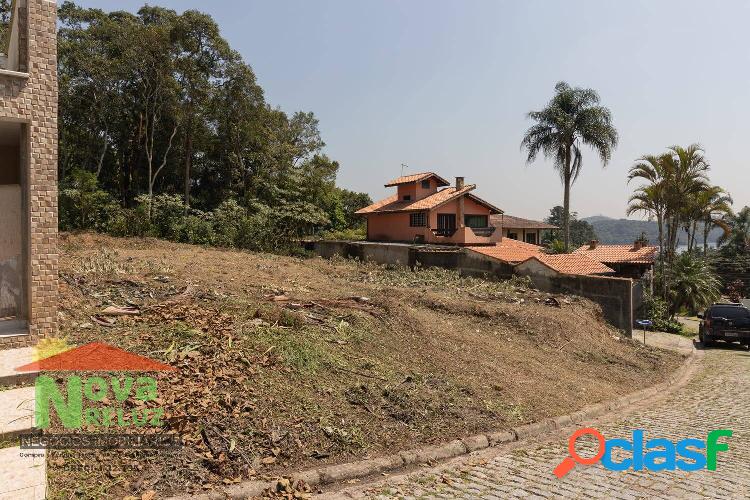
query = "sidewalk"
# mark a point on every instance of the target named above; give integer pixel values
(22, 472)
(665, 340)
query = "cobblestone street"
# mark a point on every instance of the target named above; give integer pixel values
(717, 397)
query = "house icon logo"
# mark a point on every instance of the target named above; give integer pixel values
(95, 357)
(126, 396)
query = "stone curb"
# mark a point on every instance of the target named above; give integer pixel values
(455, 448)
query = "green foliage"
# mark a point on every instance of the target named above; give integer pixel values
(657, 310)
(736, 240)
(157, 103)
(581, 232)
(83, 205)
(572, 118)
(692, 284)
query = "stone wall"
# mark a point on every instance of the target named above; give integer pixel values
(32, 100)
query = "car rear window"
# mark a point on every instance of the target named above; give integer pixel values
(729, 312)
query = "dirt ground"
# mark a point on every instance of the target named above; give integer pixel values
(287, 363)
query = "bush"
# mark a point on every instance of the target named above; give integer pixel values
(82, 204)
(657, 310)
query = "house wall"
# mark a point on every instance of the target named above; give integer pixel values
(471, 207)
(535, 270)
(33, 101)
(522, 233)
(393, 227)
(407, 190)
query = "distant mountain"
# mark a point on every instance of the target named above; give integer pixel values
(623, 231)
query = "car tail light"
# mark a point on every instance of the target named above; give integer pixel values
(708, 324)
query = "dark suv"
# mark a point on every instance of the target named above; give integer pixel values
(727, 322)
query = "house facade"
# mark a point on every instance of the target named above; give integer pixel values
(426, 209)
(28, 174)
(518, 228)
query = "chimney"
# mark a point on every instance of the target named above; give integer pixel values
(459, 183)
(638, 245)
(593, 244)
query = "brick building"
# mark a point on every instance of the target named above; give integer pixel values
(28, 174)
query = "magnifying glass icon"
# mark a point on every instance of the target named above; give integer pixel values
(570, 461)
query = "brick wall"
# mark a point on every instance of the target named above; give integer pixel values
(33, 101)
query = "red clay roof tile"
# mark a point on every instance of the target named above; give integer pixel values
(406, 179)
(619, 254)
(508, 250)
(573, 264)
(393, 204)
(508, 221)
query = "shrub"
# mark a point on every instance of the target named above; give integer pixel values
(82, 204)
(657, 310)
(693, 285)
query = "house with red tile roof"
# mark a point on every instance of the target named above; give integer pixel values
(518, 228)
(426, 209)
(551, 265)
(628, 261)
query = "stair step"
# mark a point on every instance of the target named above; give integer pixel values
(16, 411)
(22, 477)
(13, 327)
(10, 359)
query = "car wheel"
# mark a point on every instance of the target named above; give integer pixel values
(707, 342)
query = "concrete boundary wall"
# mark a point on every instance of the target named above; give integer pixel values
(614, 295)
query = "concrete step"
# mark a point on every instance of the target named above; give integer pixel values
(16, 412)
(22, 477)
(10, 359)
(12, 327)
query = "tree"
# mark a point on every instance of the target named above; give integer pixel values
(736, 240)
(674, 181)
(200, 54)
(571, 119)
(693, 284)
(157, 105)
(581, 232)
(713, 205)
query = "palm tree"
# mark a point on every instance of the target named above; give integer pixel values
(713, 205)
(572, 118)
(694, 285)
(687, 176)
(650, 199)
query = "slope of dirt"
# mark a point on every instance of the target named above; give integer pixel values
(286, 363)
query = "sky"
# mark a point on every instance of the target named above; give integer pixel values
(445, 85)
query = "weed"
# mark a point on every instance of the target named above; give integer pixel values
(296, 349)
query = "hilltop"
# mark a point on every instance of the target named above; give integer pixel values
(624, 231)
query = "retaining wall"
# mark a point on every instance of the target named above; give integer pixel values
(614, 295)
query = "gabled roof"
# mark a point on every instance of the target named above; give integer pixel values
(619, 254)
(572, 264)
(511, 222)
(510, 251)
(407, 179)
(393, 204)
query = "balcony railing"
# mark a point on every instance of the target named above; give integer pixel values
(483, 231)
(447, 232)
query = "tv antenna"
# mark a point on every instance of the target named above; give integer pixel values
(403, 166)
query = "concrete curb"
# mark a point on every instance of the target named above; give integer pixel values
(427, 454)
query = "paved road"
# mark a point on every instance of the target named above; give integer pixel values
(717, 397)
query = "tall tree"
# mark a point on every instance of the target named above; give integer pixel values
(737, 239)
(200, 55)
(571, 119)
